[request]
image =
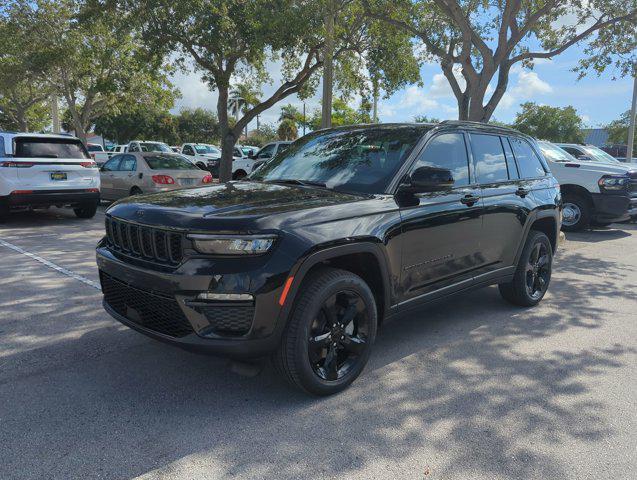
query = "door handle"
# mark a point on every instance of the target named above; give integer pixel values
(522, 192)
(469, 200)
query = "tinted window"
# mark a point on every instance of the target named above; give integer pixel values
(511, 166)
(447, 151)
(529, 163)
(2, 147)
(112, 164)
(94, 148)
(266, 151)
(49, 148)
(554, 153)
(168, 162)
(129, 164)
(488, 157)
(573, 151)
(357, 160)
(283, 147)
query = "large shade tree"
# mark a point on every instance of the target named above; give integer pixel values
(556, 124)
(231, 40)
(477, 43)
(93, 60)
(23, 91)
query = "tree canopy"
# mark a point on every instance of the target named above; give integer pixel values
(618, 130)
(549, 123)
(477, 43)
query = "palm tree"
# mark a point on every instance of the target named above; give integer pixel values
(242, 97)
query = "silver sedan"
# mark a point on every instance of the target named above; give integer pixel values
(149, 172)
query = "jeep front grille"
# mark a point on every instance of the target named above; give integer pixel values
(146, 243)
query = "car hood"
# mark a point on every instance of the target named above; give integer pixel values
(602, 167)
(231, 206)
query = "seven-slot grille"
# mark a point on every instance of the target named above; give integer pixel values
(147, 243)
(156, 312)
(632, 186)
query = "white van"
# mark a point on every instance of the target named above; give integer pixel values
(592, 191)
(38, 170)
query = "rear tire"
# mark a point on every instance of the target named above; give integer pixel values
(135, 191)
(533, 273)
(330, 332)
(577, 211)
(86, 210)
(239, 175)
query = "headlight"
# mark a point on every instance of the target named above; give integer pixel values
(233, 244)
(610, 182)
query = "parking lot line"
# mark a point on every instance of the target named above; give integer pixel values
(51, 265)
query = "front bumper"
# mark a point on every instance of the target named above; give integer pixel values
(52, 197)
(163, 305)
(615, 208)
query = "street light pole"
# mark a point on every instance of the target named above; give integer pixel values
(631, 128)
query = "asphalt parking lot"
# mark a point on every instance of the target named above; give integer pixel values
(470, 389)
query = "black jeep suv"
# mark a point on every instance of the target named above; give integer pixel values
(345, 229)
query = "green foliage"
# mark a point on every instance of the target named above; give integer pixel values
(197, 125)
(549, 123)
(264, 134)
(477, 43)
(425, 119)
(618, 130)
(90, 57)
(23, 91)
(342, 114)
(287, 130)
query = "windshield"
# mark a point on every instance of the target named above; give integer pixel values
(599, 155)
(154, 147)
(203, 149)
(168, 162)
(49, 148)
(553, 153)
(361, 160)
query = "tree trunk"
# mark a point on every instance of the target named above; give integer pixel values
(328, 68)
(227, 136)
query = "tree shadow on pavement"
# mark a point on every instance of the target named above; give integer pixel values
(485, 389)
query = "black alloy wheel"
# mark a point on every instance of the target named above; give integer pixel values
(330, 332)
(533, 273)
(538, 271)
(338, 335)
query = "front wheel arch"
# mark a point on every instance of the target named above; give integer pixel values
(338, 257)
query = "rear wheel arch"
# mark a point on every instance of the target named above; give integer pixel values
(544, 221)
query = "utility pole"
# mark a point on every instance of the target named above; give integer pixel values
(631, 127)
(55, 114)
(328, 67)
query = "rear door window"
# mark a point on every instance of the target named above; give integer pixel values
(508, 153)
(488, 158)
(129, 164)
(49, 148)
(529, 163)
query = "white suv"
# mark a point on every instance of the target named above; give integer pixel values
(207, 157)
(592, 191)
(38, 170)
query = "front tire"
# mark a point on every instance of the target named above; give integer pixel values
(329, 336)
(576, 212)
(533, 273)
(239, 175)
(86, 210)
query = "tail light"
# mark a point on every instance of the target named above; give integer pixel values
(163, 179)
(89, 164)
(12, 164)
(207, 179)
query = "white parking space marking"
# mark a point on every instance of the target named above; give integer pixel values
(51, 265)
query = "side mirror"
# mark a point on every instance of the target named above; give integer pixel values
(429, 179)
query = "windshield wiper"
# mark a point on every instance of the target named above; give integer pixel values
(294, 181)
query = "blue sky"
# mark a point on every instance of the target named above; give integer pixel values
(598, 100)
